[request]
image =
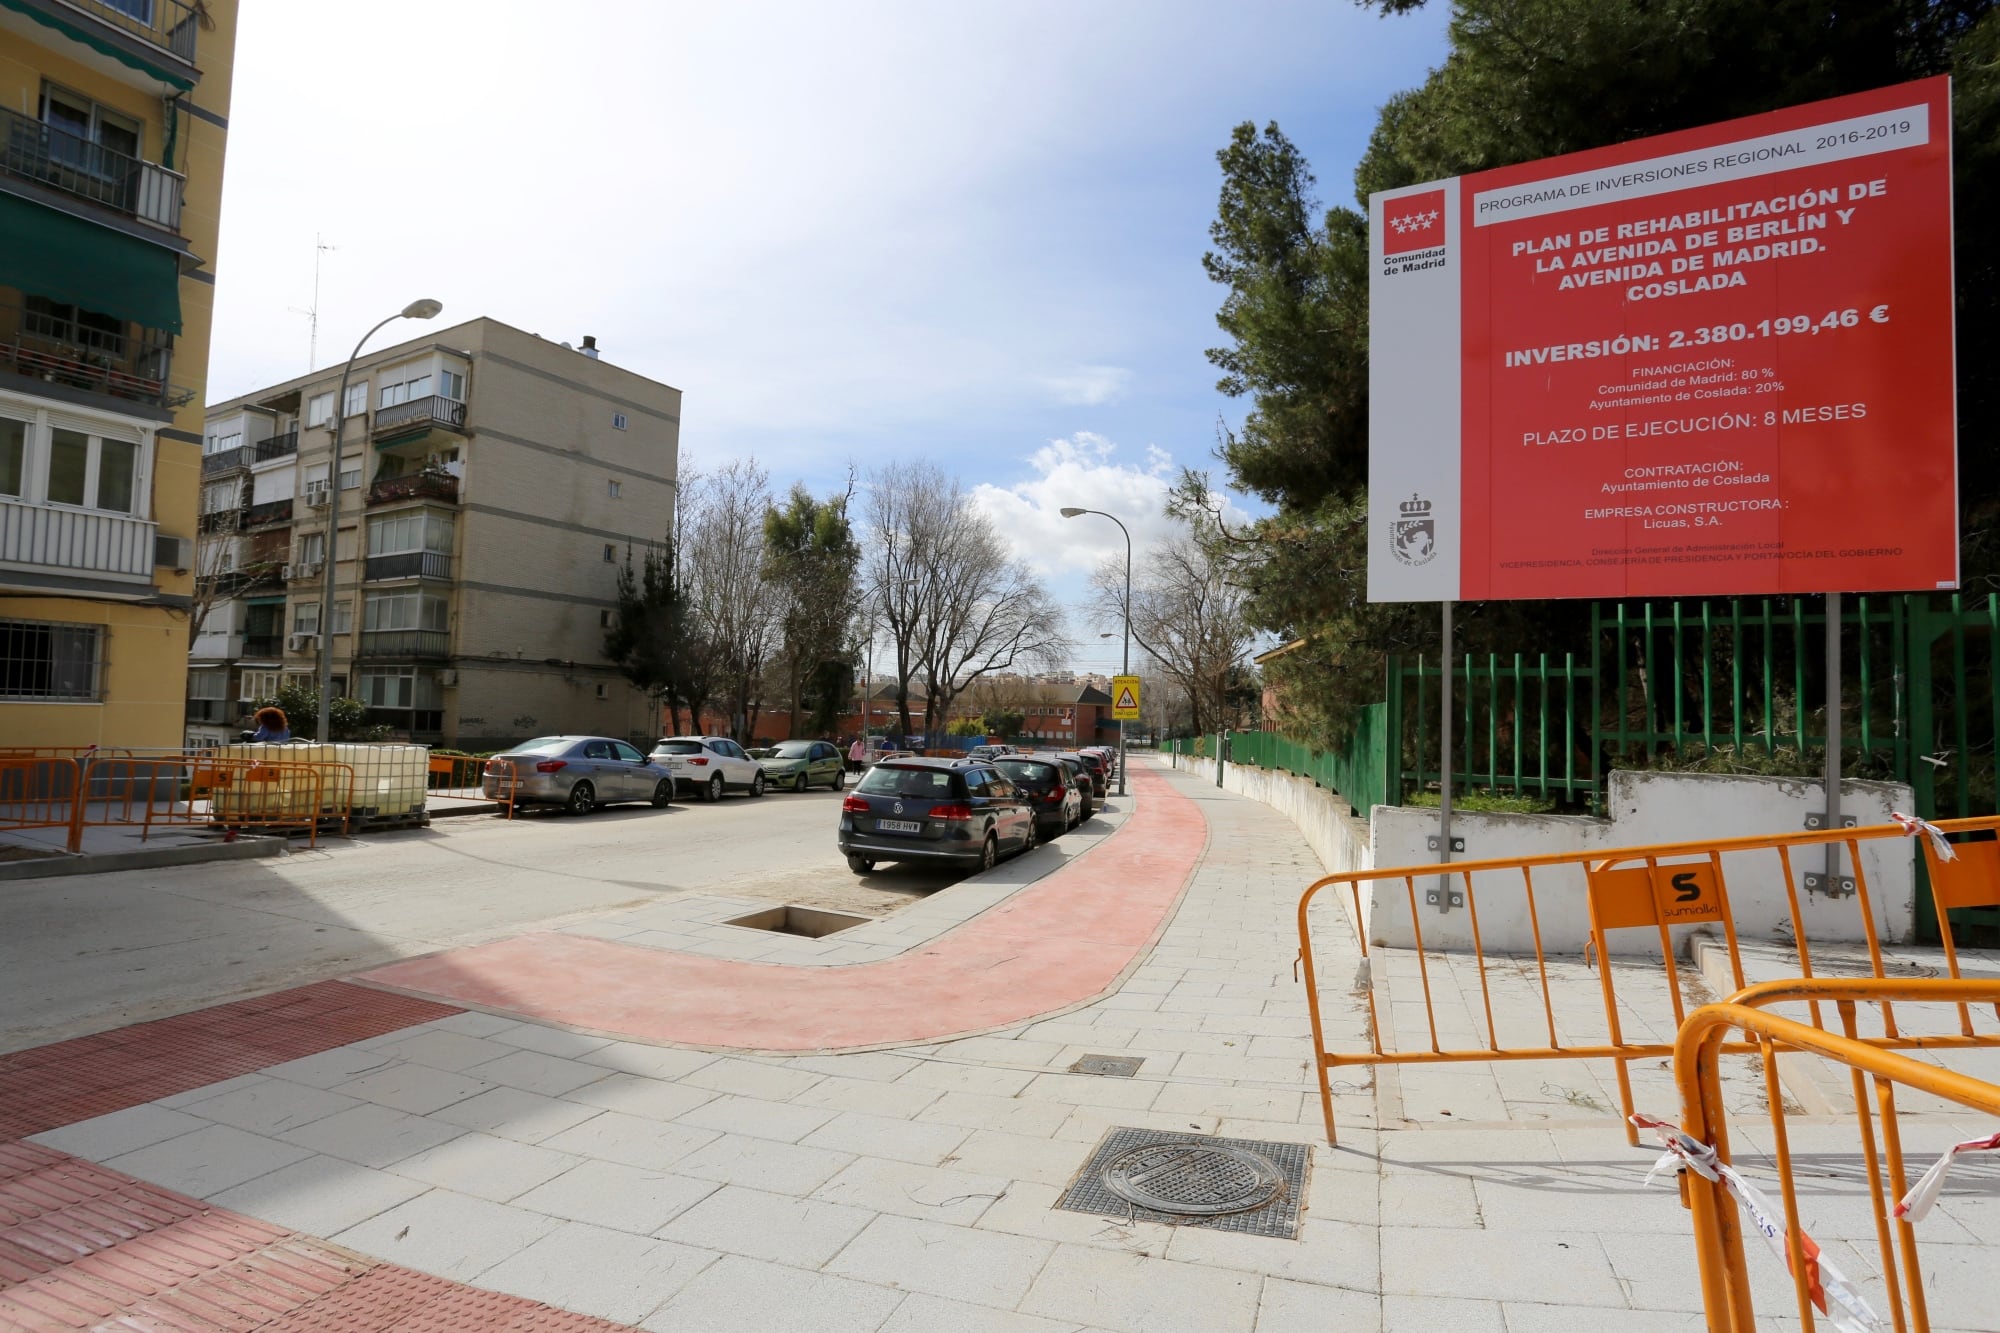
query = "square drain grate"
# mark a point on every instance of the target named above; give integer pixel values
(1246, 1186)
(1108, 1066)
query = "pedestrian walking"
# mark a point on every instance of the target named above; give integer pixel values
(857, 754)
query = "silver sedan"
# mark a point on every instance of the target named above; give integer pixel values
(578, 773)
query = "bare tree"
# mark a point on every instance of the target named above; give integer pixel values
(734, 611)
(1188, 618)
(956, 607)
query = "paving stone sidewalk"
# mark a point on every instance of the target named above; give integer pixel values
(911, 1190)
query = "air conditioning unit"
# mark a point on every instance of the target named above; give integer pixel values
(176, 553)
(316, 493)
(286, 573)
(448, 677)
(305, 570)
(301, 642)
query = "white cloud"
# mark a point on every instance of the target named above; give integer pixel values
(1083, 471)
(1089, 386)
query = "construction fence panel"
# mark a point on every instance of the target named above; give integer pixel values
(1723, 1193)
(1665, 892)
(37, 792)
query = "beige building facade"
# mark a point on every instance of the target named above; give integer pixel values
(114, 115)
(491, 483)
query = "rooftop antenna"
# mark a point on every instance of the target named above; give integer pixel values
(320, 247)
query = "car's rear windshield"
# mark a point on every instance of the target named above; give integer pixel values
(888, 780)
(1022, 770)
(544, 745)
(677, 747)
(792, 750)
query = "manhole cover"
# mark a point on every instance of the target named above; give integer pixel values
(1109, 1066)
(1247, 1186)
(1194, 1179)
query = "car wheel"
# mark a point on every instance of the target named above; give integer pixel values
(989, 854)
(715, 788)
(663, 793)
(799, 783)
(860, 865)
(757, 784)
(582, 799)
(1034, 838)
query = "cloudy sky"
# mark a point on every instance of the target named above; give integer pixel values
(851, 232)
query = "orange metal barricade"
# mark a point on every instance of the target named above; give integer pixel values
(1712, 1185)
(1657, 888)
(37, 793)
(209, 788)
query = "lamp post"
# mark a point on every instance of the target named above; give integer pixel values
(424, 309)
(1126, 668)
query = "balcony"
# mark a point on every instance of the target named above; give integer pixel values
(407, 644)
(271, 511)
(408, 565)
(225, 460)
(239, 581)
(417, 418)
(215, 710)
(264, 647)
(127, 363)
(222, 520)
(278, 446)
(422, 486)
(147, 44)
(77, 541)
(54, 157)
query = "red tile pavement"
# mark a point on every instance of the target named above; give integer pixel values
(85, 1247)
(47, 1087)
(1057, 943)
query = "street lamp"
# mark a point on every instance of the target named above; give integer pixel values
(424, 309)
(1126, 669)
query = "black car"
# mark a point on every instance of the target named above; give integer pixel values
(956, 810)
(1050, 789)
(1100, 784)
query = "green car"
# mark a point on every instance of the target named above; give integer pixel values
(802, 764)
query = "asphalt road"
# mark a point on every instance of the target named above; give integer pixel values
(88, 952)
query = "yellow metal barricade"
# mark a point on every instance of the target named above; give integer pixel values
(1660, 888)
(1720, 1195)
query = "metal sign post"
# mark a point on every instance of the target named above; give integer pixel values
(1444, 897)
(1831, 882)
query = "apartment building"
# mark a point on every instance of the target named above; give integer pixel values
(113, 120)
(489, 486)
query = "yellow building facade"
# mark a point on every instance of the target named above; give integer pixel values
(114, 115)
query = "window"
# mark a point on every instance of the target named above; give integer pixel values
(90, 138)
(629, 754)
(405, 610)
(451, 384)
(141, 10)
(416, 530)
(312, 548)
(208, 684)
(58, 321)
(618, 421)
(610, 554)
(350, 478)
(41, 660)
(614, 488)
(604, 619)
(305, 618)
(13, 456)
(417, 386)
(357, 400)
(403, 688)
(222, 443)
(257, 685)
(603, 690)
(91, 471)
(343, 617)
(319, 408)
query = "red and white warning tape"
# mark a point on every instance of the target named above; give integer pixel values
(1832, 1294)
(1912, 826)
(1925, 1192)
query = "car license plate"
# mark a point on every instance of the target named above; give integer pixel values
(900, 825)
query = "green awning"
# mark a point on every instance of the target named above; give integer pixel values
(64, 258)
(77, 32)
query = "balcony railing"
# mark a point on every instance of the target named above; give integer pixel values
(225, 460)
(408, 418)
(406, 643)
(215, 710)
(238, 581)
(76, 541)
(422, 486)
(278, 446)
(52, 156)
(167, 24)
(409, 565)
(271, 511)
(263, 645)
(222, 520)
(54, 348)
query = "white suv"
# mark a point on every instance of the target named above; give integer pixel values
(710, 765)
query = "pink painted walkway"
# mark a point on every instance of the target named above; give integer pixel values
(1062, 940)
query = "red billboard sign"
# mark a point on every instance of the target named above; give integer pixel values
(1712, 362)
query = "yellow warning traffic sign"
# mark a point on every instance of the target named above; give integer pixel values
(1124, 697)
